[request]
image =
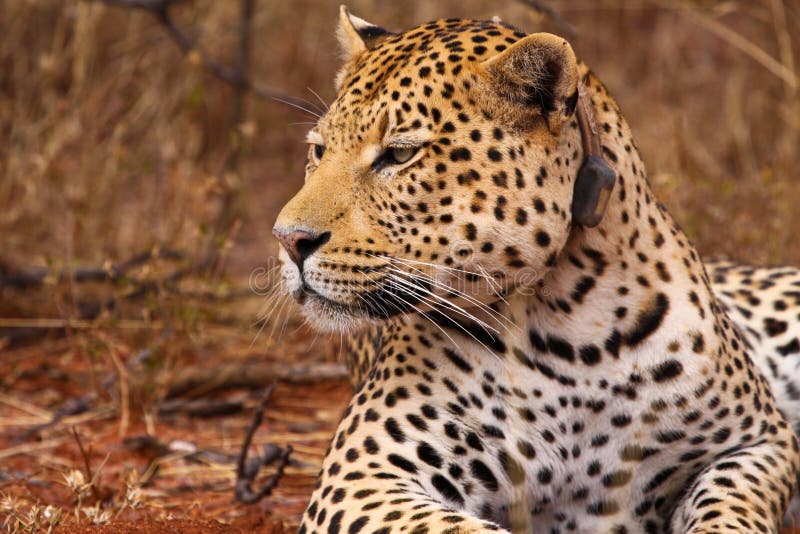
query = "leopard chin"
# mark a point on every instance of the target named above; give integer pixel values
(329, 316)
(373, 307)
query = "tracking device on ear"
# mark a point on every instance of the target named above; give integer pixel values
(596, 178)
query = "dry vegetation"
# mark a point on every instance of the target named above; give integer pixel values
(116, 146)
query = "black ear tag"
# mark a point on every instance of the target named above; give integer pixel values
(593, 188)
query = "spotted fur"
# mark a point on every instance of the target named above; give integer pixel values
(514, 371)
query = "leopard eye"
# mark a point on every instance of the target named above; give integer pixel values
(317, 153)
(401, 154)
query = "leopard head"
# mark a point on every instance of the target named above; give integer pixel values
(440, 177)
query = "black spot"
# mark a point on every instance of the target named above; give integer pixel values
(667, 370)
(394, 430)
(446, 488)
(542, 238)
(670, 436)
(583, 286)
(402, 463)
(458, 360)
(698, 344)
(537, 341)
(613, 343)
(791, 347)
(357, 525)
(660, 478)
(721, 435)
(590, 354)
(561, 348)
(602, 508)
(621, 420)
(371, 445)
(725, 482)
(648, 321)
(428, 454)
(470, 231)
(480, 471)
(460, 154)
(338, 495)
(417, 421)
(474, 441)
(336, 522)
(526, 449)
(545, 476)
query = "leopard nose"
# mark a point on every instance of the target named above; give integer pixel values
(300, 244)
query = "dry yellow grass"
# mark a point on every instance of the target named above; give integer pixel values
(111, 141)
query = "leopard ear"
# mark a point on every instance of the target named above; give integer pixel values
(540, 73)
(357, 35)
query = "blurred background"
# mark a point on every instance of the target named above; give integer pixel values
(146, 147)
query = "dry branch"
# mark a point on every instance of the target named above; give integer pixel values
(200, 407)
(160, 9)
(250, 375)
(155, 449)
(552, 14)
(741, 43)
(246, 470)
(23, 279)
(87, 464)
(71, 407)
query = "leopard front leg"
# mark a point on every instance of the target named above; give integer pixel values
(747, 490)
(372, 505)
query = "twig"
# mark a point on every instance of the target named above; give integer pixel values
(250, 374)
(258, 417)
(124, 391)
(155, 450)
(784, 43)
(246, 471)
(552, 14)
(243, 67)
(160, 10)
(78, 324)
(200, 407)
(87, 465)
(112, 272)
(30, 448)
(71, 407)
(226, 219)
(739, 42)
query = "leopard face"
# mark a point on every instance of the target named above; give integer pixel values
(440, 177)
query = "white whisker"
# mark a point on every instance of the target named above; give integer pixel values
(313, 92)
(421, 291)
(313, 113)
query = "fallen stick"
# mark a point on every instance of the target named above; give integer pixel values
(250, 375)
(113, 272)
(200, 407)
(246, 470)
(70, 407)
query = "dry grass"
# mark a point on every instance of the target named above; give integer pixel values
(112, 142)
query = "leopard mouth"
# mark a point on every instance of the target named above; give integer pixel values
(381, 303)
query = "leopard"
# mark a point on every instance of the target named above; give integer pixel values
(516, 365)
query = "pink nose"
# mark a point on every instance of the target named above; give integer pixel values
(300, 244)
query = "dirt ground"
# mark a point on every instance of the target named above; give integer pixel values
(154, 473)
